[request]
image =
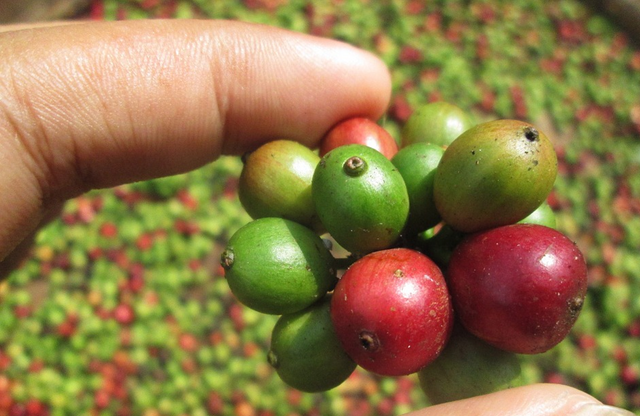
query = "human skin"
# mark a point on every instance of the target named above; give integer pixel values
(94, 105)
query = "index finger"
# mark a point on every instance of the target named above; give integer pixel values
(95, 105)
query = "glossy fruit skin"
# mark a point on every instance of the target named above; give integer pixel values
(417, 164)
(277, 266)
(359, 130)
(468, 367)
(363, 207)
(518, 287)
(438, 123)
(543, 215)
(392, 311)
(276, 182)
(305, 350)
(494, 174)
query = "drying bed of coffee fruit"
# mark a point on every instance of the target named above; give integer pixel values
(122, 307)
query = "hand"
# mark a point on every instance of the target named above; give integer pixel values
(95, 105)
(100, 104)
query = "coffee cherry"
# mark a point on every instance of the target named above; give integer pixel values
(306, 352)
(417, 164)
(277, 266)
(359, 130)
(438, 123)
(392, 312)
(519, 287)
(361, 198)
(276, 182)
(468, 367)
(494, 174)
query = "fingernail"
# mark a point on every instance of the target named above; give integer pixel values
(596, 409)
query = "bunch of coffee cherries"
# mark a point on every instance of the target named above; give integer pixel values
(451, 265)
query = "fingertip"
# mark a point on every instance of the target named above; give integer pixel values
(305, 86)
(369, 74)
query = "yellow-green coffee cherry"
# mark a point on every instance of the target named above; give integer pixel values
(495, 173)
(276, 182)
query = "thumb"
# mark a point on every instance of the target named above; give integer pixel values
(533, 400)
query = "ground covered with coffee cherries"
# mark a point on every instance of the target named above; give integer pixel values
(122, 307)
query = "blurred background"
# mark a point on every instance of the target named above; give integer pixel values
(121, 307)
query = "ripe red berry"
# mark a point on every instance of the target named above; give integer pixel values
(392, 312)
(518, 287)
(359, 130)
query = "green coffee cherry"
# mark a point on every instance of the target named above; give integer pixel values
(306, 352)
(438, 123)
(468, 367)
(543, 215)
(360, 197)
(417, 164)
(277, 266)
